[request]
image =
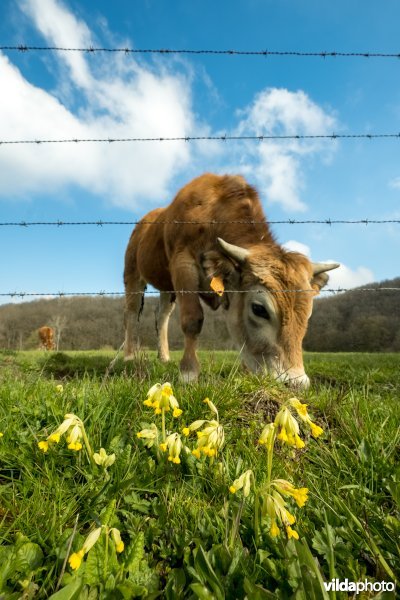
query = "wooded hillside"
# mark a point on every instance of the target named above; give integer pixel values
(351, 321)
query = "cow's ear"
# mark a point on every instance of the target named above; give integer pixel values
(215, 264)
(320, 277)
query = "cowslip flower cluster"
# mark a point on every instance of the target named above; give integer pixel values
(161, 398)
(103, 459)
(286, 427)
(173, 444)
(76, 558)
(210, 439)
(274, 506)
(73, 427)
(302, 412)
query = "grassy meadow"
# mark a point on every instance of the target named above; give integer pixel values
(142, 526)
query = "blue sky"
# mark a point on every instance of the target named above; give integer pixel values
(57, 95)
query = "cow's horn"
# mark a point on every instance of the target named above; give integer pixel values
(236, 252)
(322, 267)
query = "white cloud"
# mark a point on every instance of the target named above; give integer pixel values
(341, 278)
(276, 165)
(121, 100)
(295, 246)
(346, 278)
(118, 98)
(395, 183)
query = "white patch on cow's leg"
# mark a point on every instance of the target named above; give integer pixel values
(166, 307)
(133, 305)
(189, 365)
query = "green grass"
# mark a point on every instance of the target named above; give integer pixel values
(177, 520)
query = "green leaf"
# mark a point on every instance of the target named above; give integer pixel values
(29, 557)
(69, 592)
(202, 591)
(202, 564)
(107, 515)
(135, 553)
(257, 592)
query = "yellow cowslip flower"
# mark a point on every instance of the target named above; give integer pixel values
(301, 410)
(186, 431)
(211, 405)
(316, 430)
(1, 434)
(71, 424)
(103, 459)
(291, 533)
(287, 424)
(196, 452)
(119, 544)
(274, 530)
(267, 436)
(174, 446)
(75, 559)
(149, 436)
(74, 437)
(44, 446)
(59, 388)
(284, 487)
(243, 482)
(163, 447)
(210, 439)
(160, 397)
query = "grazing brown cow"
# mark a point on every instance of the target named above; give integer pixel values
(46, 337)
(215, 228)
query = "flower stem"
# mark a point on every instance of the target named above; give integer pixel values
(164, 437)
(106, 557)
(87, 445)
(235, 526)
(270, 455)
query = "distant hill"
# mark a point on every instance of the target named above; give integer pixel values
(357, 321)
(351, 321)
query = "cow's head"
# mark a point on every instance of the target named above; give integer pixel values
(269, 319)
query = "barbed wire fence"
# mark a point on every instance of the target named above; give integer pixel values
(190, 51)
(23, 48)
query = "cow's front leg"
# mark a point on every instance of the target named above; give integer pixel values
(166, 307)
(192, 318)
(134, 297)
(186, 283)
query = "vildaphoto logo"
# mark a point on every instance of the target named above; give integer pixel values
(336, 585)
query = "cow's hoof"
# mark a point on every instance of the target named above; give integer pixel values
(189, 376)
(163, 358)
(129, 357)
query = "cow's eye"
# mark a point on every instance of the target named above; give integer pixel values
(259, 310)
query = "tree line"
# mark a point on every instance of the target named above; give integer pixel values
(355, 321)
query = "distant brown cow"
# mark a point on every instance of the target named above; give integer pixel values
(46, 337)
(215, 227)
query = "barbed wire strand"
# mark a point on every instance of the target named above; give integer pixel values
(218, 52)
(100, 223)
(198, 138)
(177, 292)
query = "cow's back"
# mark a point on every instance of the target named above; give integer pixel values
(213, 206)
